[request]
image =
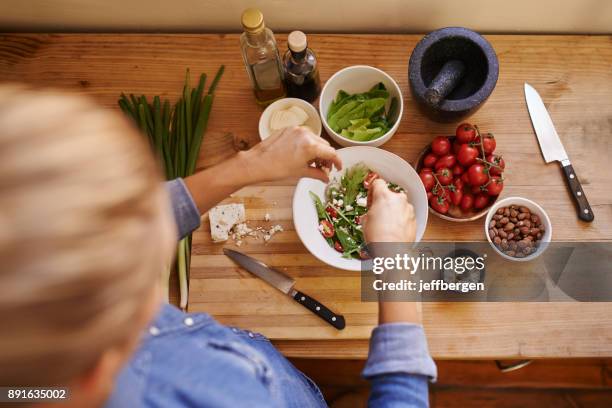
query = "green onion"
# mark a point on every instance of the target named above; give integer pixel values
(175, 134)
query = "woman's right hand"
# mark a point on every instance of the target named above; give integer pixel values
(390, 217)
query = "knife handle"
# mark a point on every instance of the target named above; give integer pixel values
(585, 213)
(319, 309)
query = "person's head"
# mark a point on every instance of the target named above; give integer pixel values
(85, 232)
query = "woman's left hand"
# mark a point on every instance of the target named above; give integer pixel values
(291, 152)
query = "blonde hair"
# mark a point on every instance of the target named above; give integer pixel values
(79, 199)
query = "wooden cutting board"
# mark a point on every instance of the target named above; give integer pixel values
(572, 73)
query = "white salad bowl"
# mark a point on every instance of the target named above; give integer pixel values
(391, 167)
(357, 79)
(313, 122)
(535, 209)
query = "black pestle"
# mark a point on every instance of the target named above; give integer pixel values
(443, 84)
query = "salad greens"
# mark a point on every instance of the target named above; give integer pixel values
(346, 201)
(362, 116)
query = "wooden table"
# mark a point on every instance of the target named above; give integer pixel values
(572, 73)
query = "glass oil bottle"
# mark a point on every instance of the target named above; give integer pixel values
(261, 58)
(301, 68)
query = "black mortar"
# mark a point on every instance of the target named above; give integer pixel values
(464, 91)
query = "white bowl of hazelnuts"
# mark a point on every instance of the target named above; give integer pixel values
(518, 229)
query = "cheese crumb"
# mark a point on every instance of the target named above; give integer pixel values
(267, 217)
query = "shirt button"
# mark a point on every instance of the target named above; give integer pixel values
(235, 330)
(153, 331)
(251, 335)
(188, 321)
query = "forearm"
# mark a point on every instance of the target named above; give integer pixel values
(399, 312)
(209, 187)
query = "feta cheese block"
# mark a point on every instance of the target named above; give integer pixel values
(223, 218)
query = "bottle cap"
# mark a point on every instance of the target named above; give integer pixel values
(252, 20)
(297, 41)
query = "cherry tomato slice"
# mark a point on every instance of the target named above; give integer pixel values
(363, 254)
(326, 228)
(369, 179)
(338, 246)
(331, 211)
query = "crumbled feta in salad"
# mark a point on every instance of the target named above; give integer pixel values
(346, 202)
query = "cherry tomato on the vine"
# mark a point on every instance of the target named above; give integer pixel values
(445, 176)
(456, 147)
(467, 202)
(465, 133)
(465, 177)
(495, 187)
(440, 146)
(488, 143)
(467, 155)
(498, 164)
(458, 170)
(459, 184)
(456, 196)
(430, 160)
(439, 204)
(478, 174)
(481, 200)
(428, 179)
(448, 161)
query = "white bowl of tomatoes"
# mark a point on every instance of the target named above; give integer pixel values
(462, 174)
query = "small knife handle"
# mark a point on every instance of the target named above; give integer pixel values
(585, 213)
(319, 309)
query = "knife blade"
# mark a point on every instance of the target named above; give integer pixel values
(553, 150)
(286, 285)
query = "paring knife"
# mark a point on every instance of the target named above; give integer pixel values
(285, 284)
(553, 150)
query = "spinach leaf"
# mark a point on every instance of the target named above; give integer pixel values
(321, 213)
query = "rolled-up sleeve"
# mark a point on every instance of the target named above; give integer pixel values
(399, 366)
(399, 348)
(186, 214)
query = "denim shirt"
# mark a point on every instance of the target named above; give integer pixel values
(190, 360)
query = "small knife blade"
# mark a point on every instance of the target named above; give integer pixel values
(286, 285)
(553, 150)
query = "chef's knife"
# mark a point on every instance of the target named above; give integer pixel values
(285, 284)
(553, 150)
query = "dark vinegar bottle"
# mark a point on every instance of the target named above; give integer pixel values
(301, 69)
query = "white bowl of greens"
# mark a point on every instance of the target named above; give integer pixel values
(311, 219)
(361, 106)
